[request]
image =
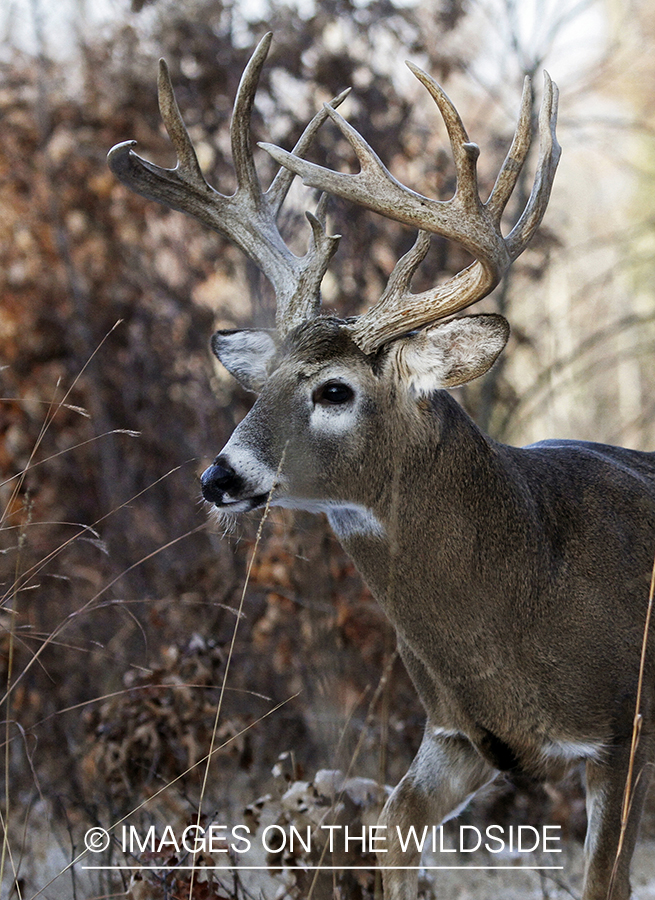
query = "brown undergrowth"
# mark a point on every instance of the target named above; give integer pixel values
(119, 603)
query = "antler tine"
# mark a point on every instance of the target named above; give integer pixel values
(188, 165)
(168, 186)
(400, 311)
(240, 133)
(375, 188)
(242, 158)
(465, 152)
(463, 218)
(248, 217)
(549, 154)
(516, 156)
(403, 272)
(280, 185)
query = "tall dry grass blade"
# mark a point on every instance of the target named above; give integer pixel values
(219, 705)
(53, 409)
(367, 723)
(37, 567)
(92, 603)
(80, 856)
(6, 849)
(128, 431)
(628, 792)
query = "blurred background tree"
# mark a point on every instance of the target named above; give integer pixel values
(112, 405)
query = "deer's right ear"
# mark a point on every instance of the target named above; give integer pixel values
(245, 354)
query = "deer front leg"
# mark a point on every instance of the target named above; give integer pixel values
(605, 786)
(445, 773)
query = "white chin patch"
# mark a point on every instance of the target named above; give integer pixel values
(346, 520)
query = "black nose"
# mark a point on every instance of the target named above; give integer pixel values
(217, 480)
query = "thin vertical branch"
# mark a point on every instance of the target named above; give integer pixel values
(630, 785)
(219, 705)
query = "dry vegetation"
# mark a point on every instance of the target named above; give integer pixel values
(119, 601)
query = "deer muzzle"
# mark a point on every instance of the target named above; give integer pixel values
(220, 483)
(232, 490)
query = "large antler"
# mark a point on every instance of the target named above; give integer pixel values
(463, 218)
(248, 217)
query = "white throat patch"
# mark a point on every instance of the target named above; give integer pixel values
(346, 520)
(351, 521)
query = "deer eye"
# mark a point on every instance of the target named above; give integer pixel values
(333, 393)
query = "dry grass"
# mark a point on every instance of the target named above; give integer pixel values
(164, 716)
(153, 750)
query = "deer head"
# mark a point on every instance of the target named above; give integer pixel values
(402, 339)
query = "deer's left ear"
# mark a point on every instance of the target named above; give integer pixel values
(448, 354)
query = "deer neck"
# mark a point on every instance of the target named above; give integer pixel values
(423, 535)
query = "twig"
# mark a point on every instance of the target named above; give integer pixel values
(231, 650)
(173, 781)
(628, 792)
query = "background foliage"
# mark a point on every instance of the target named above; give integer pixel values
(118, 599)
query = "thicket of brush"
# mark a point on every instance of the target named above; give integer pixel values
(118, 599)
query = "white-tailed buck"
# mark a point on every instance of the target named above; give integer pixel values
(516, 579)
